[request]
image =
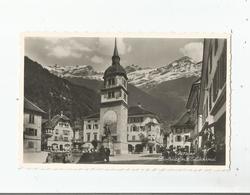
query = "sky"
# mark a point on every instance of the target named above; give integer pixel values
(97, 51)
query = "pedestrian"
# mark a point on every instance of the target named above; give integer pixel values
(102, 152)
(205, 153)
(165, 153)
(49, 158)
(107, 154)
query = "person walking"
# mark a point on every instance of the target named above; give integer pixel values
(107, 154)
(49, 158)
(205, 153)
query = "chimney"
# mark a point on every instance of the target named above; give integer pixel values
(61, 113)
(139, 104)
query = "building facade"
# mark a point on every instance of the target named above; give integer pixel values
(58, 134)
(192, 107)
(32, 127)
(181, 133)
(91, 129)
(212, 104)
(144, 131)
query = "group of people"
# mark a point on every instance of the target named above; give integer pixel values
(208, 153)
(59, 157)
(105, 152)
(205, 154)
(173, 154)
(93, 154)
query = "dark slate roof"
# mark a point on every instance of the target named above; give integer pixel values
(194, 88)
(184, 121)
(115, 69)
(28, 105)
(53, 122)
(138, 110)
(96, 115)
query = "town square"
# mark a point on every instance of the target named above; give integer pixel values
(164, 115)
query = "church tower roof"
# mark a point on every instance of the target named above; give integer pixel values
(115, 68)
(115, 50)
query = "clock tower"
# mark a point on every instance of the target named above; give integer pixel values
(114, 107)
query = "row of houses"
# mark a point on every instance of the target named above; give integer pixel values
(42, 134)
(60, 134)
(203, 125)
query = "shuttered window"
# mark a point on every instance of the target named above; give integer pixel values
(31, 118)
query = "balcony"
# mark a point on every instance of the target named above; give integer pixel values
(48, 132)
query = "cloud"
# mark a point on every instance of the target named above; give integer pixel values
(62, 48)
(63, 52)
(96, 59)
(78, 46)
(193, 50)
(106, 46)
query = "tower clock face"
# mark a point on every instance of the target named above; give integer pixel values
(110, 121)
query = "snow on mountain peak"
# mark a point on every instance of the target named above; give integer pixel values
(132, 68)
(140, 77)
(183, 67)
(86, 71)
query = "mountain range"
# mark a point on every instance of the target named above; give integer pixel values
(50, 92)
(169, 84)
(162, 90)
(144, 78)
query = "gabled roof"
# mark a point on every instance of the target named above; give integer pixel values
(184, 121)
(53, 122)
(194, 89)
(28, 105)
(93, 116)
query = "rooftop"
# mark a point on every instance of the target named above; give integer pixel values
(138, 110)
(193, 91)
(132, 111)
(115, 68)
(184, 121)
(93, 116)
(53, 122)
(28, 105)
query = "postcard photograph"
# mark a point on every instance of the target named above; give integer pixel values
(125, 100)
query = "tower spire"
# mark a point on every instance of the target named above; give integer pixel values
(115, 49)
(115, 57)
